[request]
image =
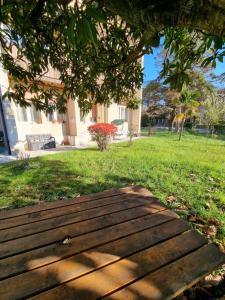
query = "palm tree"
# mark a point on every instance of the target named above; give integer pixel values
(173, 98)
(188, 105)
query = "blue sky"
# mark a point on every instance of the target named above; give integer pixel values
(151, 69)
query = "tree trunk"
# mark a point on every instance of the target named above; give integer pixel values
(131, 134)
(172, 116)
(181, 129)
(212, 130)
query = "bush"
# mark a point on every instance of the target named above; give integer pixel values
(23, 160)
(145, 120)
(188, 125)
(220, 128)
(101, 133)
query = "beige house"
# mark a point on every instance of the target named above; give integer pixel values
(67, 129)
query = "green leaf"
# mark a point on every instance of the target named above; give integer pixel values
(87, 32)
(214, 64)
(96, 14)
(218, 42)
(155, 41)
(220, 58)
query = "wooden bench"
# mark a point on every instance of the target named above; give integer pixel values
(117, 244)
(40, 141)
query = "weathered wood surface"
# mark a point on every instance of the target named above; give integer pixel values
(121, 244)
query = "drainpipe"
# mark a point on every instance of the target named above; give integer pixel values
(5, 133)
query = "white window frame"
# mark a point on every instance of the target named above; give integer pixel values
(55, 116)
(17, 114)
(123, 113)
(28, 114)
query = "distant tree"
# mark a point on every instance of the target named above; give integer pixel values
(213, 112)
(154, 92)
(157, 97)
(188, 105)
(218, 79)
(163, 100)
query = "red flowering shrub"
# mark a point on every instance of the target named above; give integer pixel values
(101, 133)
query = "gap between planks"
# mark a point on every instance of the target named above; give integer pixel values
(123, 272)
(5, 214)
(45, 225)
(43, 255)
(79, 265)
(76, 207)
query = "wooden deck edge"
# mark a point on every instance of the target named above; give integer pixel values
(217, 265)
(192, 275)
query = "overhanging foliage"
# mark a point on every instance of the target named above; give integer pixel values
(96, 46)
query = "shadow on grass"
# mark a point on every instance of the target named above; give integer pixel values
(50, 180)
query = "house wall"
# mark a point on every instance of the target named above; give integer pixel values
(78, 125)
(75, 129)
(135, 115)
(85, 121)
(135, 120)
(101, 114)
(113, 114)
(56, 129)
(8, 112)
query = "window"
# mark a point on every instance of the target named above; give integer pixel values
(21, 113)
(82, 116)
(123, 113)
(93, 117)
(60, 117)
(28, 114)
(50, 117)
(35, 114)
(56, 116)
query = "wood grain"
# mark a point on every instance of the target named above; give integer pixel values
(112, 277)
(4, 214)
(76, 207)
(56, 251)
(43, 225)
(173, 279)
(64, 270)
(121, 244)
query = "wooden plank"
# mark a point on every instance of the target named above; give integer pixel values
(57, 251)
(77, 207)
(4, 214)
(109, 278)
(43, 225)
(172, 280)
(48, 214)
(41, 279)
(58, 234)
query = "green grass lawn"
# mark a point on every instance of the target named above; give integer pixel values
(192, 171)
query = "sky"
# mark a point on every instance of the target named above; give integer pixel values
(152, 69)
